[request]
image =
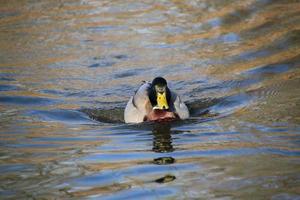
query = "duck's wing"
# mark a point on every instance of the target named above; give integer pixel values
(138, 105)
(179, 106)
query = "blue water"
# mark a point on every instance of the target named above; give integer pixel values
(68, 68)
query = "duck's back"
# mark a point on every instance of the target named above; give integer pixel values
(138, 105)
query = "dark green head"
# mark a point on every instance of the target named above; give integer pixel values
(159, 94)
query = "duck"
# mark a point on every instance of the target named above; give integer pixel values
(154, 101)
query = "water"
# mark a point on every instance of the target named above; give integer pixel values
(68, 67)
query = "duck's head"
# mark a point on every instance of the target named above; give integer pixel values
(159, 94)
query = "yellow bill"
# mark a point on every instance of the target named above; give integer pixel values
(161, 100)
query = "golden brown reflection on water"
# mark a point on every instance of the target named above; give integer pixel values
(237, 59)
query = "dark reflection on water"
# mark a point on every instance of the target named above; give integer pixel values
(68, 68)
(162, 139)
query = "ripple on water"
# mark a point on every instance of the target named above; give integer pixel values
(62, 115)
(140, 174)
(226, 58)
(102, 64)
(231, 104)
(285, 43)
(8, 87)
(275, 68)
(130, 72)
(140, 193)
(27, 100)
(12, 168)
(285, 196)
(6, 77)
(101, 29)
(109, 61)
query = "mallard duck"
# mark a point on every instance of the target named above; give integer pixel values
(155, 102)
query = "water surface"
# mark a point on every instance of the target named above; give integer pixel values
(68, 67)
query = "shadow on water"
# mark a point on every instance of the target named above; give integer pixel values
(114, 115)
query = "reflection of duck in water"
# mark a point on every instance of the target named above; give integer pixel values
(162, 139)
(155, 102)
(162, 143)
